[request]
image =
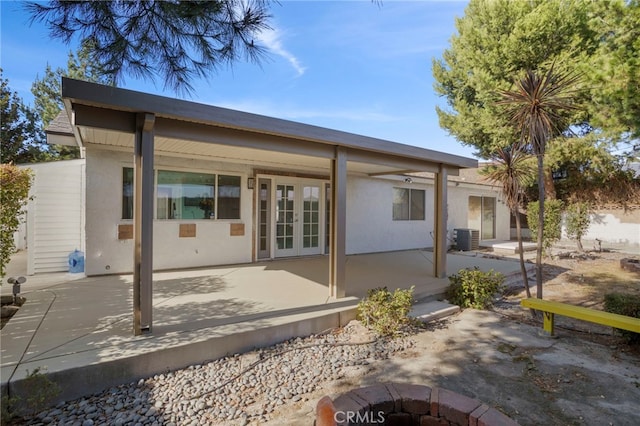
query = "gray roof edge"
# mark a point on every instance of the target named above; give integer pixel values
(60, 125)
(99, 95)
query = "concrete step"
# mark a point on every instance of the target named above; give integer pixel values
(511, 247)
(433, 310)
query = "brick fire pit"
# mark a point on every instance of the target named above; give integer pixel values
(406, 405)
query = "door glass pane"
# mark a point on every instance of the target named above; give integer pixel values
(311, 215)
(263, 205)
(284, 216)
(475, 212)
(288, 242)
(488, 218)
(327, 218)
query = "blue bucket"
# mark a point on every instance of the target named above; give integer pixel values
(76, 262)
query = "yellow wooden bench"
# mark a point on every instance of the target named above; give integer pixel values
(550, 308)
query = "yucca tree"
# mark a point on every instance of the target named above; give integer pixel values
(537, 108)
(513, 170)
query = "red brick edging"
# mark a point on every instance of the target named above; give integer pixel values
(406, 404)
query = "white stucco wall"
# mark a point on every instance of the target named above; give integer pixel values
(213, 245)
(370, 224)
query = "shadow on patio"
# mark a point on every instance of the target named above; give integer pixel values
(82, 330)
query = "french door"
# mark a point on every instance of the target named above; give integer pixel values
(298, 219)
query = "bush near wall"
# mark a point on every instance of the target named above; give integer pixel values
(552, 230)
(473, 288)
(14, 194)
(624, 304)
(384, 312)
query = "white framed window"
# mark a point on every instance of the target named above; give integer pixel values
(127, 193)
(228, 197)
(408, 204)
(185, 195)
(188, 195)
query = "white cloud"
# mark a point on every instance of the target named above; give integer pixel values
(271, 39)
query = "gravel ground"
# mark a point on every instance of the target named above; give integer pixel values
(239, 390)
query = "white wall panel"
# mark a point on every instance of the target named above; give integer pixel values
(55, 215)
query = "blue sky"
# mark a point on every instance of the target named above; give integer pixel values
(347, 65)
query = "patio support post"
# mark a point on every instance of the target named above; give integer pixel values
(440, 224)
(143, 224)
(337, 251)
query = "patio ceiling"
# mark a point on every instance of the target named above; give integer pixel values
(228, 153)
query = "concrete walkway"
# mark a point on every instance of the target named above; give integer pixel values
(81, 330)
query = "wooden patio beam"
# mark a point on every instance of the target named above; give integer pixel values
(143, 224)
(337, 251)
(440, 224)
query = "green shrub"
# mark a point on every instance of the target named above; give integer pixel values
(624, 304)
(552, 230)
(40, 392)
(384, 312)
(14, 195)
(577, 221)
(473, 288)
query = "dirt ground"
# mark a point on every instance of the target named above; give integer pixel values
(586, 375)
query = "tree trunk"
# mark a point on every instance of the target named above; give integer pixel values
(579, 233)
(540, 226)
(525, 278)
(549, 184)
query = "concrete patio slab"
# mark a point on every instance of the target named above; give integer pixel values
(81, 330)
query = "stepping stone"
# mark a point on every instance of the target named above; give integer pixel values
(434, 310)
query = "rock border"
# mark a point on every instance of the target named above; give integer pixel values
(406, 404)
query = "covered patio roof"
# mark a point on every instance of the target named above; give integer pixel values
(149, 125)
(106, 115)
